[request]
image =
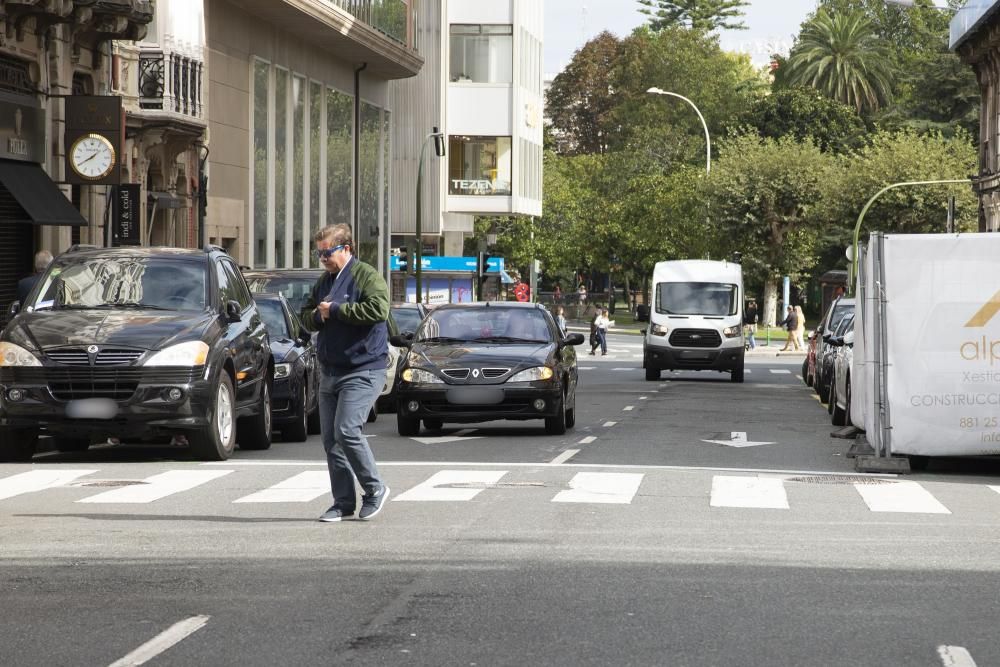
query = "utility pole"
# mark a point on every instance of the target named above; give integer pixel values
(439, 150)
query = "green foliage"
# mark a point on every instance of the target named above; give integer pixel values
(706, 15)
(804, 114)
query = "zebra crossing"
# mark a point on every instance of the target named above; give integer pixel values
(559, 484)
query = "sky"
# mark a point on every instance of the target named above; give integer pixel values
(570, 23)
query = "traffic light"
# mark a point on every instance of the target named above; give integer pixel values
(482, 265)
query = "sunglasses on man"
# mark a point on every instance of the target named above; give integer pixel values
(326, 254)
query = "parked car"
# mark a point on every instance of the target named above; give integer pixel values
(136, 343)
(818, 361)
(840, 380)
(484, 361)
(295, 396)
(408, 316)
(296, 285)
(824, 365)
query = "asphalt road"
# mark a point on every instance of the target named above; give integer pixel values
(641, 537)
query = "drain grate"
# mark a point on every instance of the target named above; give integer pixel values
(496, 485)
(844, 479)
(110, 483)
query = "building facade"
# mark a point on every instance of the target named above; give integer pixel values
(482, 87)
(975, 37)
(299, 123)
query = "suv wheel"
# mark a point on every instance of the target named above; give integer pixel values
(17, 445)
(66, 444)
(254, 432)
(215, 442)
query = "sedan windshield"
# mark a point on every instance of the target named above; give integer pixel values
(295, 289)
(485, 325)
(156, 283)
(710, 299)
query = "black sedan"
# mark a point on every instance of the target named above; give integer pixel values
(408, 316)
(295, 395)
(484, 361)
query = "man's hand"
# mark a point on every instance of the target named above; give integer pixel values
(324, 309)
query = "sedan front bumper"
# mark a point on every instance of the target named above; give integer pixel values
(477, 403)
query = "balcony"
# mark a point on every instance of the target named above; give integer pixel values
(171, 82)
(389, 17)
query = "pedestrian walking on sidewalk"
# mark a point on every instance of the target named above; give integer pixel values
(349, 307)
(600, 329)
(790, 324)
(800, 328)
(561, 321)
(750, 320)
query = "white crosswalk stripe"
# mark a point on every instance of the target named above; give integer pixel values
(38, 480)
(157, 487)
(301, 488)
(753, 492)
(601, 487)
(905, 497)
(440, 485)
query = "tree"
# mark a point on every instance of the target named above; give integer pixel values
(841, 56)
(705, 15)
(581, 99)
(803, 113)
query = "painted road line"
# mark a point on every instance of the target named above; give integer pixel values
(623, 369)
(589, 439)
(628, 408)
(609, 424)
(995, 488)
(37, 480)
(161, 642)
(601, 487)
(300, 488)
(955, 656)
(586, 368)
(756, 492)
(905, 497)
(157, 486)
(643, 398)
(565, 456)
(438, 486)
(780, 371)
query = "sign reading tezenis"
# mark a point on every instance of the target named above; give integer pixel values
(126, 227)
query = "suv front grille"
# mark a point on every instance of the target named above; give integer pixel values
(106, 357)
(695, 338)
(69, 357)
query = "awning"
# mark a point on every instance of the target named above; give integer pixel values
(29, 195)
(166, 200)
(506, 279)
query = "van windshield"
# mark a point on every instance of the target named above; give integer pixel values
(711, 299)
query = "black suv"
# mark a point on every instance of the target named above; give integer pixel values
(136, 343)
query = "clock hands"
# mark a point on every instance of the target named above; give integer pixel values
(92, 156)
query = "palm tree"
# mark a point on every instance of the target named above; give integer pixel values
(842, 57)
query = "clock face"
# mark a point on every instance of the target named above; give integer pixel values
(92, 156)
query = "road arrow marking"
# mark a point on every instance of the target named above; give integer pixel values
(738, 439)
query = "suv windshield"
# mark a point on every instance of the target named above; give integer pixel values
(712, 299)
(157, 283)
(487, 324)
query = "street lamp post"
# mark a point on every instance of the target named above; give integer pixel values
(861, 217)
(439, 150)
(708, 139)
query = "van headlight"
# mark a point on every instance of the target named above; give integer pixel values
(731, 332)
(190, 354)
(417, 376)
(659, 330)
(536, 374)
(15, 355)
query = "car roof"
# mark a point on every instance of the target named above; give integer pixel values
(490, 304)
(281, 273)
(166, 252)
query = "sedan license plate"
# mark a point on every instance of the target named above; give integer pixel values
(92, 408)
(475, 396)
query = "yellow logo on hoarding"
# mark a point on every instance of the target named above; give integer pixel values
(986, 313)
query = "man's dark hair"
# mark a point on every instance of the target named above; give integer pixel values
(335, 234)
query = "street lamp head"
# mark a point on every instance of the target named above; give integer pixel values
(656, 91)
(439, 147)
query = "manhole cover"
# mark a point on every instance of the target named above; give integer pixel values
(110, 482)
(497, 485)
(845, 479)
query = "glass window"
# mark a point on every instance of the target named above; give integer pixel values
(370, 174)
(339, 156)
(260, 152)
(273, 316)
(479, 165)
(226, 292)
(502, 324)
(237, 284)
(712, 299)
(482, 53)
(315, 148)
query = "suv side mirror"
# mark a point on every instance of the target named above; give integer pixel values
(402, 340)
(15, 308)
(233, 311)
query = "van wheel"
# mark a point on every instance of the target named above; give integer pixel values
(736, 375)
(216, 441)
(17, 445)
(254, 432)
(652, 374)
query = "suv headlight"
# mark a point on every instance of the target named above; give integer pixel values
(731, 332)
(659, 330)
(536, 374)
(190, 354)
(15, 355)
(417, 376)
(282, 371)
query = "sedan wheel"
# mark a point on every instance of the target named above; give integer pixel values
(557, 425)
(255, 431)
(17, 445)
(297, 428)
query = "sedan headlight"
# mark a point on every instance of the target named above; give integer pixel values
(190, 354)
(15, 355)
(282, 371)
(536, 374)
(417, 376)
(659, 330)
(731, 332)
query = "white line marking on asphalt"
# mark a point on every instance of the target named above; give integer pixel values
(600, 487)
(429, 490)
(161, 642)
(905, 497)
(780, 371)
(37, 480)
(565, 456)
(157, 486)
(955, 656)
(457, 436)
(628, 408)
(300, 488)
(587, 368)
(756, 492)
(798, 377)
(643, 398)
(586, 441)
(995, 488)
(609, 424)
(623, 369)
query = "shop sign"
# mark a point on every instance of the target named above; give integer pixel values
(22, 132)
(126, 228)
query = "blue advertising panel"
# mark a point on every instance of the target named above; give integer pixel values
(450, 264)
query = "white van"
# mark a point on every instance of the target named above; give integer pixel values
(696, 318)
